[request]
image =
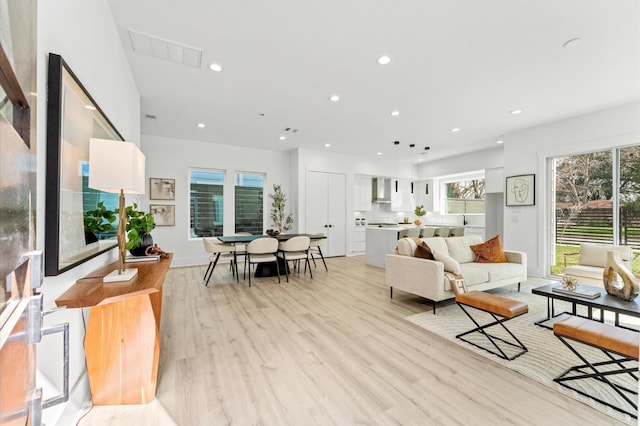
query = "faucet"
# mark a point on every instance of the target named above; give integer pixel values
(464, 220)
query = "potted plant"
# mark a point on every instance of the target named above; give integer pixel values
(419, 211)
(281, 221)
(139, 227)
(98, 221)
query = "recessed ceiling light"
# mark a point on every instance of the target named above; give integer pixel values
(327, 145)
(282, 138)
(516, 111)
(90, 107)
(499, 141)
(334, 98)
(201, 125)
(384, 60)
(395, 113)
(215, 67)
(455, 129)
(379, 153)
(572, 42)
(420, 160)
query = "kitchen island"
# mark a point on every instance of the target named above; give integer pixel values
(380, 241)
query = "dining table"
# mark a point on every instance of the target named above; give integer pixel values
(243, 239)
(266, 269)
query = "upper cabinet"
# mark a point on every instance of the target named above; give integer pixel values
(494, 180)
(362, 193)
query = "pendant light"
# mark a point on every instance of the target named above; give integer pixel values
(397, 144)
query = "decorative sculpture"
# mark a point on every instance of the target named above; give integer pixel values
(627, 289)
(570, 283)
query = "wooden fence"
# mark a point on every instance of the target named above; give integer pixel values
(596, 226)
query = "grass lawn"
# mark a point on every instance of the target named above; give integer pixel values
(572, 260)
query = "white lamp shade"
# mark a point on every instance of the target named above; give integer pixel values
(116, 165)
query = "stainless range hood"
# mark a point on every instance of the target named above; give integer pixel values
(381, 190)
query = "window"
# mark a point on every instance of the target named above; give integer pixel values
(464, 196)
(597, 198)
(206, 203)
(249, 202)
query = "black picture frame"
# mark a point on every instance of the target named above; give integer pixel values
(60, 74)
(520, 190)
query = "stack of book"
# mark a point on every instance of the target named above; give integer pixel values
(151, 258)
(579, 292)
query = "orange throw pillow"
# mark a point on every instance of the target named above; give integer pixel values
(423, 251)
(490, 251)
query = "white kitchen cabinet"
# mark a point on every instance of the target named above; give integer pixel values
(402, 200)
(359, 240)
(326, 210)
(362, 194)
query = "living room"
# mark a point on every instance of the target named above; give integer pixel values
(89, 39)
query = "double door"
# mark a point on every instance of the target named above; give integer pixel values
(326, 210)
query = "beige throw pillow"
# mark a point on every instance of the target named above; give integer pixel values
(450, 264)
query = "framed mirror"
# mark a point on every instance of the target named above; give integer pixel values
(76, 229)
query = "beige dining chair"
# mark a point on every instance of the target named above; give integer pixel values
(314, 247)
(217, 251)
(441, 231)
(427, 232)
(409, 232)
(241, 248)
(456, 231)
(262, 250)
(294, 250)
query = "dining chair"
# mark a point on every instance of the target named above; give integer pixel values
(262, 250)
(218, 250)
(456, 231)
(314, 247)
(427, 232)
(442, 231)
(241, 248)
(409, 232)
(295, 249)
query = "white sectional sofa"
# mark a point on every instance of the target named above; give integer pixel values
(592, 260)
(426, 278)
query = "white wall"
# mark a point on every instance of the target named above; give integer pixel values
(172, 158)
(526, 152)
(84, 34)
(305, 160)
(479, 160)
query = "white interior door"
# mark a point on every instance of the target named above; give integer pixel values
(326, 210)
(337, 202)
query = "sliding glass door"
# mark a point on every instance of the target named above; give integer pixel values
(596, 200)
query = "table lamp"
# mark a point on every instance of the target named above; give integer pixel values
(117, 167)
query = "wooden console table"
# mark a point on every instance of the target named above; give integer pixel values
(122, 341)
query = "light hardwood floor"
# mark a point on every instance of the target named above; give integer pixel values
(329, 350)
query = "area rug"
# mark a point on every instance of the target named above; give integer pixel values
(547, 356)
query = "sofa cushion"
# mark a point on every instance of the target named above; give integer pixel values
(423, 251)
(490, 251)
(450, 264)
(472, 274)
(593, 272)
(596, 255)
(459, 247)
(437, 243)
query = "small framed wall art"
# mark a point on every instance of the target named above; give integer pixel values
(162, 189)
(163, 214)
(521, 190)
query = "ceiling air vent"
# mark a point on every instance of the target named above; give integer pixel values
(289, 129)
(165, 49)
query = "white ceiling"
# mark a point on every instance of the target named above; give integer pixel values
(454, 63)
